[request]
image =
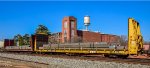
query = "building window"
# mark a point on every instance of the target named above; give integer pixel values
(65, 33)
(72, 24)
(65, 24)
(72, 33)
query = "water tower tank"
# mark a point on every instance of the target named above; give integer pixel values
(86, 20)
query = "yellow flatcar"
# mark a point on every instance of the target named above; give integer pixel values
(135, 45)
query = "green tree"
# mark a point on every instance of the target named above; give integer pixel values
(18, 39)
(42, 30)
(22, 40)
(26, 39)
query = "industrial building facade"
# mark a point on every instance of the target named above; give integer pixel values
(71, 34)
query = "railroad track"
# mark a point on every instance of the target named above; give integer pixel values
(88, 57)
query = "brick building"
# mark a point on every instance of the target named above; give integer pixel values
(71, 34)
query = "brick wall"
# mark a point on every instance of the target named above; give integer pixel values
(56, 37)
(109, 38)
(146, 47)
(88, 36)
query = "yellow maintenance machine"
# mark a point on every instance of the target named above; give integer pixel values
(135, 44)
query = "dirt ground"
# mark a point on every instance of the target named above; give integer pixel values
(11, 63)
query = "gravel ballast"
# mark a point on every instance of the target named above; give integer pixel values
(72, 63)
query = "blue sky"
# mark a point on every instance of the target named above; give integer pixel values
(109, 17)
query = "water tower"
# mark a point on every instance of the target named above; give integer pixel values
(86, 22)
